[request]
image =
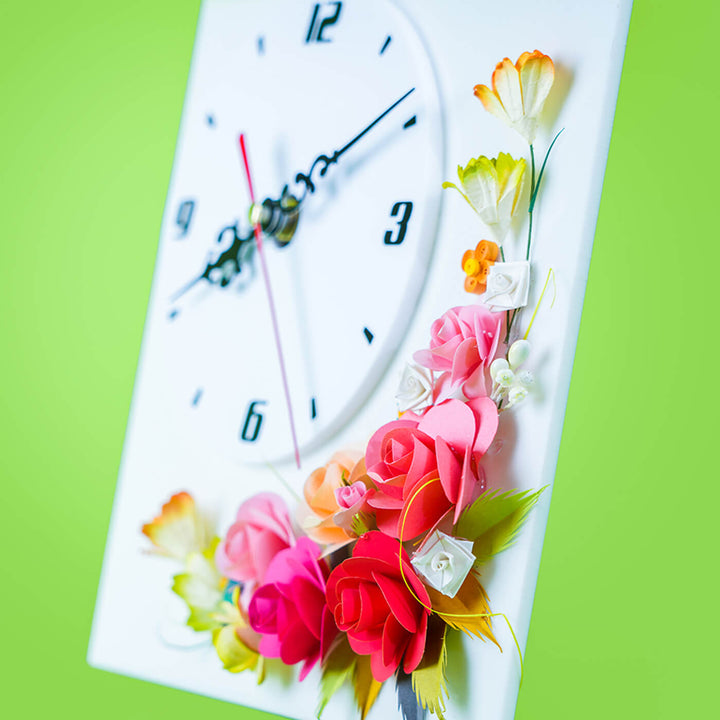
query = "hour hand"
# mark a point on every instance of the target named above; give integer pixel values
(228, 263)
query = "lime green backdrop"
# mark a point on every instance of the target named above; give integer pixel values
(623, 626)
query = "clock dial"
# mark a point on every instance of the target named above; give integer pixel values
(338, 102)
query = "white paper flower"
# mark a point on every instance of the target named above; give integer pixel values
(415, 390)
(444, 562)
(507, 285)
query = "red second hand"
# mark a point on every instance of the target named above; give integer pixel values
(266, 275)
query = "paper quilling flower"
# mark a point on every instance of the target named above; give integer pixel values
(476, 265)
(383, 557)
(519, 91)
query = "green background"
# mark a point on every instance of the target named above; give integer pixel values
(624, 623)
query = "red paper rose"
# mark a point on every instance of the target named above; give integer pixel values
(373, 605)
(290, 611)
(462, 344)
(404, 456)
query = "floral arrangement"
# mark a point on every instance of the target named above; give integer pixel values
(383, 558)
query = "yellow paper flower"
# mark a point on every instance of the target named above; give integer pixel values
(180, 529)
(236, 643)
(492, 188)
(202, 588)
(519, 91)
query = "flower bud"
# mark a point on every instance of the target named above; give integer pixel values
(518, 353)
(496, 366)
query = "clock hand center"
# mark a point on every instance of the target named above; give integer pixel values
(279, 218)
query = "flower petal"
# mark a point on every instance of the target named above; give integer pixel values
(491, 102)
(506, 84)
(537, 74)
(416, 647)
(403, 605)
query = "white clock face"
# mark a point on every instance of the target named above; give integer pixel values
(300, 80)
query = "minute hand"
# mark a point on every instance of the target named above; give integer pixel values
(324, 161)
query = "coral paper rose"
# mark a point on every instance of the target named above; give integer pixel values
(373, 605)
(290, 611)
(260, 531)
(463, 343)
(426, 467)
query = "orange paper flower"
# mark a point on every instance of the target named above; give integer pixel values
(519, 91)
(477, 263)
(334, 494)
(180, 529)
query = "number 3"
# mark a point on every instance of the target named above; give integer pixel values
(402, 223)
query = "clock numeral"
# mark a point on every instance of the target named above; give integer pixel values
(390, 238)
(253, 422)
(184, 216)
(313, 409)
(318, 24)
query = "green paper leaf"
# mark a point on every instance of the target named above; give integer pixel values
(366, 686)
(337, 668)
(494, 521)
(428, 679)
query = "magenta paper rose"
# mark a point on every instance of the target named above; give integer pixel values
(290, 611)
(384, 615)
(425, 467)
(463, 343)
(260, 531)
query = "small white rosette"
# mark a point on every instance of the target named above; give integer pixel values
(508, 284)
(444, 562)
(416, 389)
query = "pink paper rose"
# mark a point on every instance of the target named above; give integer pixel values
(372, 604)
(463, 343)
(290, 610)
(426, 467)
(260, 531)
